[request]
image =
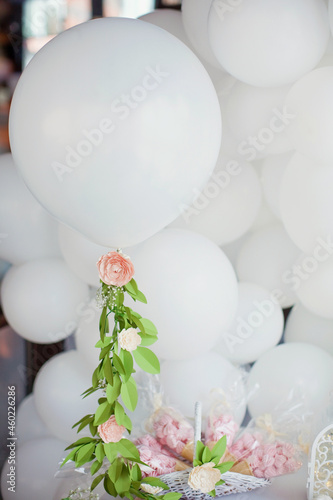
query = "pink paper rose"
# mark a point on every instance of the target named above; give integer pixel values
(110, 431)
(115, 269)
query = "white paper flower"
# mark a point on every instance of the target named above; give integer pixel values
(154, 490)
(129, 339)
(204, 477)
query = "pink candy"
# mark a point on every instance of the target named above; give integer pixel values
(158, 463)
(245, 445)
(221, 426)
(271, 460)
(152, 443)
(173, 433)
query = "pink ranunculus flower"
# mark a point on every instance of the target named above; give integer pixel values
(115, 269)
(110, 431)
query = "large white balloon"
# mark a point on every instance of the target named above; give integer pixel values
(29, 425)
(227, 206)
(191, 290)
(87, 334)
(81, 254)
(115, 151)
(4, 266)
(272, 172)
(264, 218)
(258, 325)
(42, 300)
(288, 369)
(268, 43)
(306, 202)
(310, 101)
(303, 326)
(265, 257)
(27, 231)
(37, 461)
(57, 390)
(254, 117)
(185, 382)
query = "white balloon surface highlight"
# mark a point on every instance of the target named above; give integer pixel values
(29, 425)
(227, 206)
(115, 151)
(257, 327)
(37, 461)
(191, 290)
(310, 101)
(27, 231)
(303, 326)
(266, 258)
(216, 374)
(306, 203)
(272, 172)
(268, 43)
(57, 391)
(42, 299)
(290, 369)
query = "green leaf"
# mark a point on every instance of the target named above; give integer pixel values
(70, 456)
(93, 429)
(115, 469)
(81, 441)
(220, 447)
(95, 466)
(108, 370)
(103, 323)
(132, 287)
(206, 455)
(149, 327)
(118, 364)
(111, 451)
(128, 450)
(95, 377)
(219, 483)
(224, 467)
(109, 486)
(123, 482)
(141, 297)
(113, 391)
(196, 462)
(105, 351)
(96, 481)
(85, 453)
(103, 413)
(136, 473)
(99, 452)
(127, 360)
(121, 417)
(155, 481)
(212, 493)
(172, 496)
(129, 394)
(147, 360)
(199, 450)
(147, 340)
(105, 343)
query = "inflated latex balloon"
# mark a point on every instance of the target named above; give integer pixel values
(42, 300)
(87, 334)
(216, 373)
(288, 369)
(265, 257)
(255, 117)
(257, 327)
(57, 391)
(272, 172)
(310, 101)
(306, 202)
(228, 204)
(303, 326)
(29, 425)
(4, 266)
(36, 463)
(176, 269)
(27, 231)
(81, 254)
(264, 218)
(115, 151)
(268, 43)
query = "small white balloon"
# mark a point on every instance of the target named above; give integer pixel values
(246, 38)
(36, 464)
(304, 326)
(257, 327)
(272, 172)
(310, 101)
(232, 249)
(266, 255)
(306, 202)
(227, 206)
(27, 231)
(183, 388)
(29, 425)
(191, 290)
(81, 254)
(288, 369)
(57, 390)
(42, 299)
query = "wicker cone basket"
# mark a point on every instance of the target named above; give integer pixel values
(234, 482)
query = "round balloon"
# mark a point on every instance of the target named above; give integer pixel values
(182, 388)
(265, 257)
(306, 202)
(227, 206)
(36, 464)
(304, 326)
(42, 300)
(288, 369)
(268, 43)
(87, 334)
(115, 151)
(27, 231)
(57, 391)
(191, 290)
(264, 218)
(272, 172)
(4, 266)
(29, 425)
(257, 327)
(310, 101)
